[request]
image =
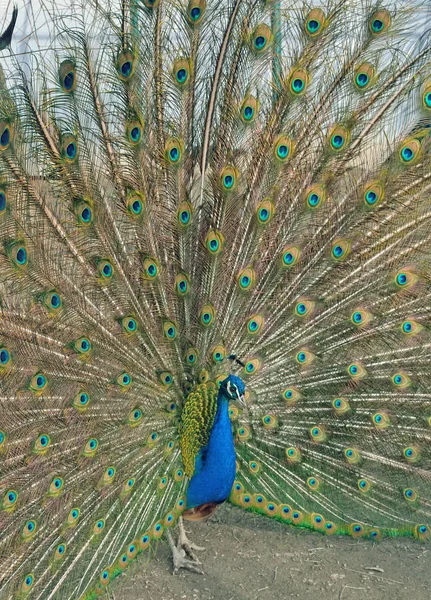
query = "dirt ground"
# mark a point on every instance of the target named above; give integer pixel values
(250, 557)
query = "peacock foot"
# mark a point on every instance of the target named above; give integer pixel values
(186, 545)
(182, 553)
(182, 562)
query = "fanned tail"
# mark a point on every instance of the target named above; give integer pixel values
(184, 181)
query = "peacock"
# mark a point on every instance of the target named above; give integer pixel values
(215, 277)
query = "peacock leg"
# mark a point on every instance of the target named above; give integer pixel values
(185, 544)
(180, 559)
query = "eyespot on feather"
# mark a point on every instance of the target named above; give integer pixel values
(249, 109)
(340, 406)
(207, 315)
(293, 455)
(195, 11)
(67, 76)
(364, 76)
(315, 196)
(29, 529)
(124, 380)
(135, 131)
(90, 448)
(84, 212)
(10, 500)
(356, 530)
(27, 584)
(360, 317)
(145, 540)
(218, 354)
(135, 417)
(410, 495)
(174, 149)
(261, 38)
(317, 521)
(405, 278)
(204, 376)
(304, 357)
(291, 395)
(42, 444)
(129, 325)
(315, 23)
(246, 279)
(166, 378)
(56, 487)
(297, 82)
(181, 72)
(290, 256)
(251, 367)
(373, 194)
(5, 365)
(38, 383)
(191, 356)
(356, 370)
(182, 284)
(126, 63)
(283, 148)
(255, 324)
(411, 454)
(150, 268)
(229, 177)
(304, 308)
(352, 456)
(184, 214)
(60, 552)
(401, 380)
(18, 254)
(243, 433)
(318, 434)
(339, 138)
(265, 211)
(135, 204)
(410, 327)
(6, 135)
(340, 250)
(426, 95)
(3, 200)
(73, 517)
(170, 330)
(69, 148)
(214, 242)
(410, 151)
(364, 485)
(381, 420)
(379, 22)
(270, 421)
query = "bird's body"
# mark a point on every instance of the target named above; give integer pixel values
(183, 180)
(214, 468)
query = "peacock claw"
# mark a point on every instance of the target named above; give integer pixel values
(184, 558)
(186, 545)
(182, 562)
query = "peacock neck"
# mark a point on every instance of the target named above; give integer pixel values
(222, 414)
(220, 445)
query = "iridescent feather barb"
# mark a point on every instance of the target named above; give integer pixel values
(182, 183)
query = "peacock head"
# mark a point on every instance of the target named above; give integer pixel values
(233, 388)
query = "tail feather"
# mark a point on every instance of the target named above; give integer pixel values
(182, 181)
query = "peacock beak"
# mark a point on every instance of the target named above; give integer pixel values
(241, 399)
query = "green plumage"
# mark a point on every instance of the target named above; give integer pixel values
(197, 418)
(180, 181)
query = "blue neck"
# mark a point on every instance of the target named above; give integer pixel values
(215, 464)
